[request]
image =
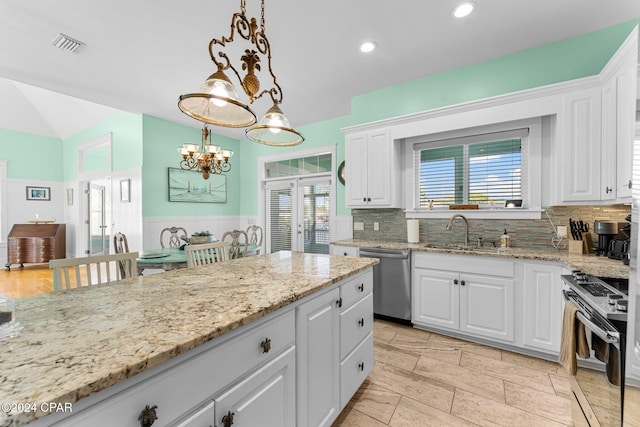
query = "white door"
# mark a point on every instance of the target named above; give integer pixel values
(436, 298)
(298, 215)
(486, 306)
(98, 243)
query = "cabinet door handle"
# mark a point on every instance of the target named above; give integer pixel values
(364, 199)
(361, 366)
(148, 416)
(361, 322)
(630, 184)
(361, 287)
(608, 190)
(339, 302)
(368, 199)
(455, 281)
(345, 254)
(266, 345)
(462, 283)
(227, 420)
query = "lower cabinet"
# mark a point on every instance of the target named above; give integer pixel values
(334, 349)
(542, 317)
(473, 301)
(265, 398)
(318, 399)
(296, 367)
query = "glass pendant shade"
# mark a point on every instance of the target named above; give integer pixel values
(274, 129)
(218, 103)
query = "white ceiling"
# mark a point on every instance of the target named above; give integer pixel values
(140, 55)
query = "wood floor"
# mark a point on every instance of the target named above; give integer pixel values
(422, 378)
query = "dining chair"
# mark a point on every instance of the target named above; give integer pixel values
(207, 253)
(239, 242)
(255, 236)
(92, 270)
(174, 237)
(121, 246)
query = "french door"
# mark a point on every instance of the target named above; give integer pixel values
(298, 215)
(98, 243)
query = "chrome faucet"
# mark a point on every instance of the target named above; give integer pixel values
(466, 231)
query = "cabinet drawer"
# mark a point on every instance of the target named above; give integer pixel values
(355, 324)
(345, 250)
(355, 368)
(203, 417)
(464, 264)
(355, 289)
(182, 387)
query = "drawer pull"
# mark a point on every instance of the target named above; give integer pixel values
(339, 302)
(361, 366)
(361, 322)
(361, 287)
(227, 420)
(462, 282)
(266, 345)
(455, 281)
(148, 416)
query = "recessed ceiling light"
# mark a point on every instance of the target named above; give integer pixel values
(367, 47)
(463, 9)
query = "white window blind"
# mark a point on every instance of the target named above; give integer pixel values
(280, 211)
(486, 169)
(317, 215)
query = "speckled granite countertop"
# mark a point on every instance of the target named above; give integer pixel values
(591, 264)
(78, 342)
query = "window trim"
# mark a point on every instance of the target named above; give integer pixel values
(4, 208)
(532, 182)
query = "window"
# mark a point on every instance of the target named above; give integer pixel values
(485, 169)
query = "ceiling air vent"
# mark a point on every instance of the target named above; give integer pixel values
(66, 43)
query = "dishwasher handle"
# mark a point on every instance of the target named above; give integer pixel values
(383, 253)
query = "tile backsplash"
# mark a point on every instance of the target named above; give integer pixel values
(524, 233)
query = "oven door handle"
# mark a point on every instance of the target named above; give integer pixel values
(610, 337)
(606, 336)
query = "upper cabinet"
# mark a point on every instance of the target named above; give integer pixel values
(597, 132)
(373, 170)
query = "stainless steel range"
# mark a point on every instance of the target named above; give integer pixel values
(602, 308)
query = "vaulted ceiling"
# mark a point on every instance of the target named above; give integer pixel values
(139, 56)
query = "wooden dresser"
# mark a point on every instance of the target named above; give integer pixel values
(36, 243)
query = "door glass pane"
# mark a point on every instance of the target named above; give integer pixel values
(280, 217)
(97, 220)
(316, 218)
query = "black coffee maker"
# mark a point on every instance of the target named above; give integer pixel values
(606, 231)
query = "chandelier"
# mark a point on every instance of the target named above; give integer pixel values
(218, 102)
(207, 159)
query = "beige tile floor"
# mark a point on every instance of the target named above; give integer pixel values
(426, 379)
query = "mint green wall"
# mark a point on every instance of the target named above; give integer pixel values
(126, 129)
(31, 156)
(568, 59)
(161, 140)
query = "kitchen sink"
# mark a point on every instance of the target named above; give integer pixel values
(461, 248)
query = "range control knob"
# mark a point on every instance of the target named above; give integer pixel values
(614, 298)
(622, 305)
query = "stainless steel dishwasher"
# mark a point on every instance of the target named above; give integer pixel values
(391, 283)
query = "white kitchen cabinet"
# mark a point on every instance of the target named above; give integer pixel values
(597, 130)
(344, 250)
(581, 146)
(356, 334)
(265, 398)
(471, 294)
(373, 170)
(542, 310)
(318, 360)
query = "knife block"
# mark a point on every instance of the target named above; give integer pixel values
(576, 246)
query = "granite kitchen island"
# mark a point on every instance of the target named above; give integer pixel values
(85, 348)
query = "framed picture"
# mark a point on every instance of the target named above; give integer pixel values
(125, 190)
(38, 193)
(70, 196)
(190, 186)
